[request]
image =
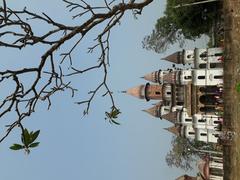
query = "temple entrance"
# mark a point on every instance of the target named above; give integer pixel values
(208, 99)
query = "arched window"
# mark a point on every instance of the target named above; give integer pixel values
(188, 120)
(213, 65)
(217, 122)
(218, 54)
(203, 54)
(202, 66)
(218, 77)
(201, 77)
(203, 134)
(202, 120)
(189, 56)
(191, 133)
(187, 77)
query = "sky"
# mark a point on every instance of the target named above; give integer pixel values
(90, 148)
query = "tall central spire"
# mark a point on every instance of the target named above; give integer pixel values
(137, 91)
(148, 91)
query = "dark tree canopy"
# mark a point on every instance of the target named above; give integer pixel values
(180, 23)
(18, 30)
(191, 20)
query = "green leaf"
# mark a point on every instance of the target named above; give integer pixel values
(16, 147)
(26, 137)
(115, 122)
(31, 133)
(114, 113)
(33, 136)
(108, 114)
(33, 145)
(238, 88)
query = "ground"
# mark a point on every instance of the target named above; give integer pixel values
(231, 12)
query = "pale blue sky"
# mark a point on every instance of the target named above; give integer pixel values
(91, 148)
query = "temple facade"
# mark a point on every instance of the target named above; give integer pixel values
(190, 97)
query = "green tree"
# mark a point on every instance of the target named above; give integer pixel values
(52, 74)
(183, 153)
(180, 23)
(165, 34)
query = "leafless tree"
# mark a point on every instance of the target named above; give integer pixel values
(16, 31)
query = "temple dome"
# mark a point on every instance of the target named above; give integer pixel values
(137, 91)
(148, 92)
(152, 77)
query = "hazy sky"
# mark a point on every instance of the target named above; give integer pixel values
(91, 148)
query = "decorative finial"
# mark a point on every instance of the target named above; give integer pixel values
(123, 91)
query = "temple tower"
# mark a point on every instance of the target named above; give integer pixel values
(148, 91)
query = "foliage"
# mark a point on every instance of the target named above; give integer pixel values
(56, 65)
(165, 34)
(238, 87)
(191, 20)
(112, 116)
(28, 141)
(180, 23)
(180, 156)
(184, 152)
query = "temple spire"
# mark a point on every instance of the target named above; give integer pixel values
(173, 129)
(148, 91)
(171, 117)
(137, 91)
(154, 111)
(152, 77)
(174, 58)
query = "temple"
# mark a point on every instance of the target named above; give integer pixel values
(191, 97)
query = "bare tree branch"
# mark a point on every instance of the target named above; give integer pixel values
(17, 31)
